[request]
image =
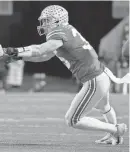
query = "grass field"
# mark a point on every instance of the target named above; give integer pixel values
(35, 123)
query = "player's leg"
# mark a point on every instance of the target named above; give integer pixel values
(108, 113)
(90, 93)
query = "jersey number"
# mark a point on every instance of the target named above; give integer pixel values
(86, 45)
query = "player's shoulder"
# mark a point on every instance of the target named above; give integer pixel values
(56, 31)
(60, 32)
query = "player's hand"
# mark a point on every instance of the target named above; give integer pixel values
(11, 51)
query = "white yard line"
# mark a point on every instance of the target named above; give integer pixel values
(49, 119)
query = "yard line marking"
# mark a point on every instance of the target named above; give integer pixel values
(49, 119)
(54, 134)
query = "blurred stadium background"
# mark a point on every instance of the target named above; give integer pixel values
(105, 24)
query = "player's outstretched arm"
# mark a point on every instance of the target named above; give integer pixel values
(35, 50)
(42, 58)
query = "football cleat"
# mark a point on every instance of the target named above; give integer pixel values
(112, 141)
(103, 140)
(118, 136)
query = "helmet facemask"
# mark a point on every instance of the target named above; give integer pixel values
(46, 24)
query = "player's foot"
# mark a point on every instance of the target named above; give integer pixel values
(118, 136)
(113, 141)
(103, 140)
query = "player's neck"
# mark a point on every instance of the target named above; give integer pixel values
(50, 30)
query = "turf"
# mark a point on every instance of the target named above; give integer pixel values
(35, 123)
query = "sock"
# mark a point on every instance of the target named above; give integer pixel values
(110, 116)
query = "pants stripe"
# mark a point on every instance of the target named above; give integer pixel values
(88, 98)
(72, 119)
(84, 102)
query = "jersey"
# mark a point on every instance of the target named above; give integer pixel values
(76, 53)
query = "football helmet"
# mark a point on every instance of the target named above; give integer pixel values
(50, 17)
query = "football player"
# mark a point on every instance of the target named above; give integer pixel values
(64, 41)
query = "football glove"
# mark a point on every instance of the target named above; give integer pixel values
(11, 51)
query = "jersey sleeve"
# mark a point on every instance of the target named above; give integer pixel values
(57, 35)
